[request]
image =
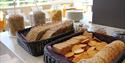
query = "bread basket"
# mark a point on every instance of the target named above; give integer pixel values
(35, 48)
(51, 57)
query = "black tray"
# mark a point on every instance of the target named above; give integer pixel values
(51, 57)
(36, 48)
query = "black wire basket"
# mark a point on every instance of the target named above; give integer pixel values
(36, 48)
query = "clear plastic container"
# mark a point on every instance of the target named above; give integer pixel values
(16, 23)
(56, 13)
(39, 17)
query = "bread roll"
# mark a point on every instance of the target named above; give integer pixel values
(96, 59)
(117, 45)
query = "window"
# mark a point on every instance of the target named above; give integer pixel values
(8, 3)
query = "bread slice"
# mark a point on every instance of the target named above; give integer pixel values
(50, 32)
(65, 47)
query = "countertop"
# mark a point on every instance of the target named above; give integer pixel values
(11, 43)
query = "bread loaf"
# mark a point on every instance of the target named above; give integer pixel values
(38, 31)
(58, 29)
(48, 30)
(107, 54)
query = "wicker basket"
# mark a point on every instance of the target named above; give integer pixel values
(35, 48)
(51, 57)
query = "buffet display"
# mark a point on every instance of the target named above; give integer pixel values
(64, 41)
(61, 42)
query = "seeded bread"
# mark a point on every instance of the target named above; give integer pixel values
(58, 29)
(38, 31)
(48, 30)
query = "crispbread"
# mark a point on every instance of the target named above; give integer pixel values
(70, 54)
(80, 37)
(93, 43)
(87, 34)
(100, 45)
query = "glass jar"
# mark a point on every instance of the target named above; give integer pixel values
(2, 22)
(16, 23)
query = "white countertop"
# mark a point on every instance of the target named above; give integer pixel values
(11, 43)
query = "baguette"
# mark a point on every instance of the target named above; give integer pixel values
(107, 54)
